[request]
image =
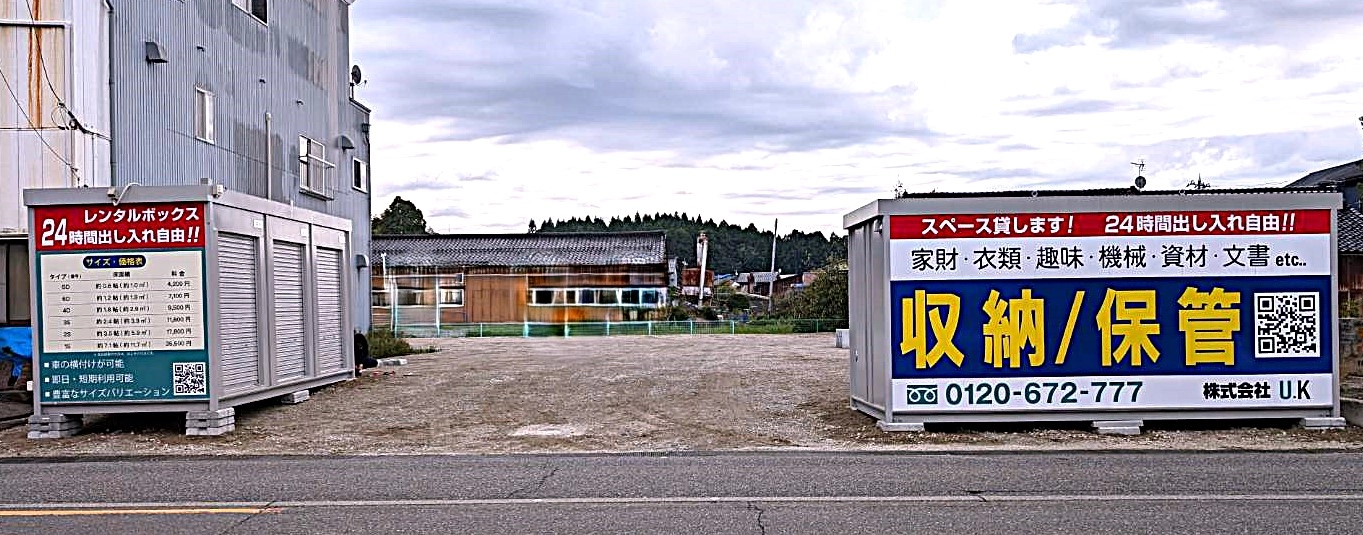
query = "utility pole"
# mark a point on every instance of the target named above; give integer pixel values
(703, 247)
(771, 286)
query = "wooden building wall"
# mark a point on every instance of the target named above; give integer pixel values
(1350, 278)
(503, 294)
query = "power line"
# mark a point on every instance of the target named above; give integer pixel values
(33, 14)
(20, 106)
(71, 121)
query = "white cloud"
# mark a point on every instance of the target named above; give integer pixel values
(490, 114)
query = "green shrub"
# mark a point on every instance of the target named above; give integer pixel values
(382, 345)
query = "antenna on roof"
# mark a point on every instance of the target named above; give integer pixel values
(1140, 173)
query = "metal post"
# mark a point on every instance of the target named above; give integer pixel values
(704, 243)
(650, 328)
(771, 286)
(693, 326)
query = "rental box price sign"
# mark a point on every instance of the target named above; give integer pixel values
(1111, 311)
(121, 301)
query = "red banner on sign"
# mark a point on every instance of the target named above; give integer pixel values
(126, 226)
(1220, 223)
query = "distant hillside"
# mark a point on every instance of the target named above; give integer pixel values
(733, 249)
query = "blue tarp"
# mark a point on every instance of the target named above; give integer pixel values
(18, 340)
(19, 343)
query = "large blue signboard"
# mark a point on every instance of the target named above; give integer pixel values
(1112, 311)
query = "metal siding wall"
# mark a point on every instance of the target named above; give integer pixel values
(330, 269)
(296, 68)
(290, 350)
(34, 148)
(240, 333)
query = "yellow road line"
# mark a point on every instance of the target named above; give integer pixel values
(98, 512)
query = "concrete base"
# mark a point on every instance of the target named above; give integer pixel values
(295, 397)
(915, 427)
(392, 362)
(842, 339)
(210, 423)
(1352, 410)
(1323, 423)
(1118, 427)
(54, 426)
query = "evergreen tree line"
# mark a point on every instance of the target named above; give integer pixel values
(733, 249)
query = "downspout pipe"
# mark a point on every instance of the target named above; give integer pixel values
(113, 115)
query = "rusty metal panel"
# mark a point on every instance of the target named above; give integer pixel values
(46, 96)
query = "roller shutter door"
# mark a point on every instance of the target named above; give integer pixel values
(330, 331)
(290, 354)
(239, 331)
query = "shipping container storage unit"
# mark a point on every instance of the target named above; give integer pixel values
(186, 299)
(1114, 307)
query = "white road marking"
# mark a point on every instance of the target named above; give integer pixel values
(966, 498)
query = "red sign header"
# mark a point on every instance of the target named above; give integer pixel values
(126, 226)
(1236, 222)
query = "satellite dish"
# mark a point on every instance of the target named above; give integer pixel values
(355, 75)
(1140, 182)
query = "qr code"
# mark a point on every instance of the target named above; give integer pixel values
(189, 378)
(1287, 324)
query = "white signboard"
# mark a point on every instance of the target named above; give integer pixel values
(151, 300)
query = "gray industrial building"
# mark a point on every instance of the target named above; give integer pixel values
(255, 95)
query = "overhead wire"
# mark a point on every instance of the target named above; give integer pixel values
(71, 122)
(20, 106)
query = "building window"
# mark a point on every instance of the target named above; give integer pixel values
(622, 297)
(409, 297)
(14, 307)
(451, 297)
(256, 8)
(359, 175)
(542, 297)
(314, 171)
(203, 115)
(607, 297)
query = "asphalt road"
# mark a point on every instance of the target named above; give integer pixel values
(807, 492)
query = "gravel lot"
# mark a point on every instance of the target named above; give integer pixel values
(626, 393)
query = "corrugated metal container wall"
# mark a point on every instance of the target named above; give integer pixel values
(240, 332)
(330, 353)
(290, 349)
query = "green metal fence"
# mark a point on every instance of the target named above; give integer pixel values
(625, 328)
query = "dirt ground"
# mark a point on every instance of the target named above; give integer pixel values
(627, 393)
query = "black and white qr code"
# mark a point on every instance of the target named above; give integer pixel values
(189, 378)
(1287, 324)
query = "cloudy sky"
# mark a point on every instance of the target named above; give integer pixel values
(491, 113)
